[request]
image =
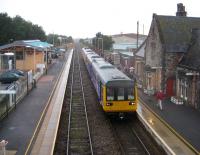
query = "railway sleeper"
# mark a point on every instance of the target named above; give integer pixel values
(77, 107)
(133, 150)
(79, 133)
(78, 118)
(78, 114)
(80, 150)
(79, 125)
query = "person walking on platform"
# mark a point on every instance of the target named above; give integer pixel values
(160, 97)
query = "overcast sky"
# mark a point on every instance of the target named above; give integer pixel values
(84, 18)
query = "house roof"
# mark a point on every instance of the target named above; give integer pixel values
(124, 46)
(37, 44)
(130, 35)
(191, 59)
(126, 53)
(141, 50)
(175, 31)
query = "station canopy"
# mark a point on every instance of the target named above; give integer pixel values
(35, 44)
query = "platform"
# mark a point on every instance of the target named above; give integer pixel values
(170, 142)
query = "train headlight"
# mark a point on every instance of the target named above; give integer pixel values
(131, 103)
(109, 104)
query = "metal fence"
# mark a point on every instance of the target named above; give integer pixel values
(13, 93)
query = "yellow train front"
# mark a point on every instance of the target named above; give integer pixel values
(119, 96)
(117, 93)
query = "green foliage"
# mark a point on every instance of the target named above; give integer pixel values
(5, 28)
(58, 39)
(107, 41)
(18, 29)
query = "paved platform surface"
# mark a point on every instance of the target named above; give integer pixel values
(18, 127)
(183, 119)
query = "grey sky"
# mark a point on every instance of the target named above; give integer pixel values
(84, 18)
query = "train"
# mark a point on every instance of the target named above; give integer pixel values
(116, 92)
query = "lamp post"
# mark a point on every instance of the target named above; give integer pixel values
(101, 45)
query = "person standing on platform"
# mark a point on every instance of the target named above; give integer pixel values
(160, 97)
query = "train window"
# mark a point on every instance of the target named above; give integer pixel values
(110, 94)
(120, 94)
(130, 94)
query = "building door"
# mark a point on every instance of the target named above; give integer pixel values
(170, 86)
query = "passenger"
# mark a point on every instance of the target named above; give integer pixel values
(160, 97)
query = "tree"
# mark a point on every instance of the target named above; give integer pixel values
(55, 39)
(107, 41)
(5, 28)
(18, 29)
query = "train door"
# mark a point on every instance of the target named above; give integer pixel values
(100, 89)
(170, 87)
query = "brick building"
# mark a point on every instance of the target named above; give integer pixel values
(139, 64)
(28, 54)
(188, 72)
(168, 40)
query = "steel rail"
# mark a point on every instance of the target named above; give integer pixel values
(116, 137)
(85, 107)
(70, 108)
(71, 102)
(143, 145)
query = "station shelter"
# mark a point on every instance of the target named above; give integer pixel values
(28, 54)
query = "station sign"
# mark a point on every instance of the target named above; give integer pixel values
(7, 91)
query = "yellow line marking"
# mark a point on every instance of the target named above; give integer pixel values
(170, 128)
(44, 111)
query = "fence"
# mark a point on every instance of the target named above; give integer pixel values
(13, 93)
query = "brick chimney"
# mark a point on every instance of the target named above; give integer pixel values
(181, 10)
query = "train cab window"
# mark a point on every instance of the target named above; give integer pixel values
(110, 94)
(120, 94)
(130, 94)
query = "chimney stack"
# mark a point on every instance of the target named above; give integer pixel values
(181, 10)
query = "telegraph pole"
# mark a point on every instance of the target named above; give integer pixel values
(137, 32)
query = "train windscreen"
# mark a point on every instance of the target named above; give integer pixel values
(119, 94)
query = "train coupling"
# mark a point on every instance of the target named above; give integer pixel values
(121, 115)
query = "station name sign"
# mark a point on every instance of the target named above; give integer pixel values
(190, 73)
(7, 91)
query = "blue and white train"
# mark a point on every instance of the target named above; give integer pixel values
(117, 93)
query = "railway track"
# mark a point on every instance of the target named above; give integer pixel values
(133, 138)
(79, 139)
(109, 136)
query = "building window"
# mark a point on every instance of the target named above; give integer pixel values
(153, 47)
(19, 55)
(183, 88)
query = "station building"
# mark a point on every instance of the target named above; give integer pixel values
(27, 55)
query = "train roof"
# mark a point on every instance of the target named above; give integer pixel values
(110, 75)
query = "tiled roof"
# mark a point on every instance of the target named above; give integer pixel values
(141, 50)
(191, 59)
(39, 45)
(124, 46)
(130, 35)
(175, 31)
